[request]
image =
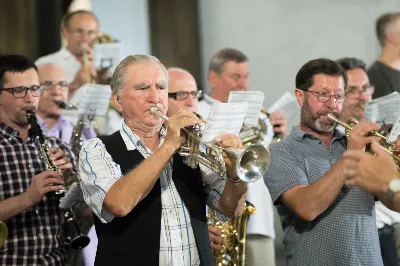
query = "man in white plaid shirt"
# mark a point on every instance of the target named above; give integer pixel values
(150, 206)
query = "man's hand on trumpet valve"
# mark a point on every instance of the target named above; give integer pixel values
(370, 172)
(358, 137)
(181, 119)
(229, 141)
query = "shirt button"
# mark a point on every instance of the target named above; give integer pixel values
(37, 211)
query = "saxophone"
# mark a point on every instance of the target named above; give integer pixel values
(78, 241)
(233, 247)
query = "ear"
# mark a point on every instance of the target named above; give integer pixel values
(299, 96)
(212, 78)
(116, 101)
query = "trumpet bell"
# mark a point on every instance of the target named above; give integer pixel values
(252, 162)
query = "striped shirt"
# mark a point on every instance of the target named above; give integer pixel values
(345, 233)
(99, 172)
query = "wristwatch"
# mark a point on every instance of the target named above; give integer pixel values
(394, 187)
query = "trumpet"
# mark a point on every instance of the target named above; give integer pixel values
(349, 126)
(78, 241)
(251, 163)
(86, 63)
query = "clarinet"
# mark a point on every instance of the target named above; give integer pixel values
(78, 240)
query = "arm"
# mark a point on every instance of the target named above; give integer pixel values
(132, 188)
(309, 201)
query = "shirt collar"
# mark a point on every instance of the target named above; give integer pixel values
(132, 141)
(8, 131)
(299, 134)
(210, 100)
(66, 54)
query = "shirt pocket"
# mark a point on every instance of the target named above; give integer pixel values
(316, 168)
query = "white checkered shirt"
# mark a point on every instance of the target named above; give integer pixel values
(35, 236)
(99, 172)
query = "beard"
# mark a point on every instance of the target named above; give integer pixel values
(21, 118)
(313, 121)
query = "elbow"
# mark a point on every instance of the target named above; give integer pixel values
(117, 207)
(306, 214)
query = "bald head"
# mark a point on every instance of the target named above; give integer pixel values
(180, 80)
(55, 89)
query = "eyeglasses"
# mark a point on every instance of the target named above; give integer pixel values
(48, 83)
(20, 92)
(182, 95)
(366, 90)
(323, 96)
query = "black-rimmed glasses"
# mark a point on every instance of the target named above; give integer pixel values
(48, 83)
(323, 96)
(182, 95)
(20, 92)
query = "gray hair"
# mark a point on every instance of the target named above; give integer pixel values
(119, 77)
(178, 69)
(224, 56)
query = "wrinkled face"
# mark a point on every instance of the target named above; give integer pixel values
(55, 89)
(358, 92)
(82, 29)
(313, 111)
(235, 77)
(145, 86)
(182, 84)
(13, 112)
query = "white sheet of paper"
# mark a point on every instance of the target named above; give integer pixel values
(255, 100)
(383, 109)
(224, 118)
(288, 105)
(92, 98)
(395, 131)
(107, 55)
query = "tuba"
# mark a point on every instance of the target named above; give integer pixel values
(77, 240)
(251, 163)
(383, 143)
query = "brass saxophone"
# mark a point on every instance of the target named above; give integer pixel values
(78, 241)
(233, 246)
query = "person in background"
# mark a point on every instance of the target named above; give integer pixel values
(358, 92)
(229, 71)
(384, 73)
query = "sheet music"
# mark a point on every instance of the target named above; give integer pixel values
(288, 105)
(93, 98)
(224, 118)
(255, 100)
(107, 55)
(395, 131)
(383, 109)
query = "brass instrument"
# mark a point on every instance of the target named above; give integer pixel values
(3, 233)
(383, 143)
(78, 241)
(251, 163)
(253, 135)
(86, 63)
(233, 247)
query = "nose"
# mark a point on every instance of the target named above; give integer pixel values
(243, 83)
(153, 95)
(363, 97)
(28, 97)
(189, 101)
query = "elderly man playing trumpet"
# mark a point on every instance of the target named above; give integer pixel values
(149, 206)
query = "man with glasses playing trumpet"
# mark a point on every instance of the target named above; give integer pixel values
(28, 202)
(358, 92)
(325, 222)
(150, 206)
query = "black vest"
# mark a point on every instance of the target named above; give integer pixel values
(135, 238)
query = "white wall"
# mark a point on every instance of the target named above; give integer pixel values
(279, 36)
(127, 21)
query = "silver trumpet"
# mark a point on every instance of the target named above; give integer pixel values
(251, 163)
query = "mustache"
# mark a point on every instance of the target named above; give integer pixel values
(325, 113)
(29, 108)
